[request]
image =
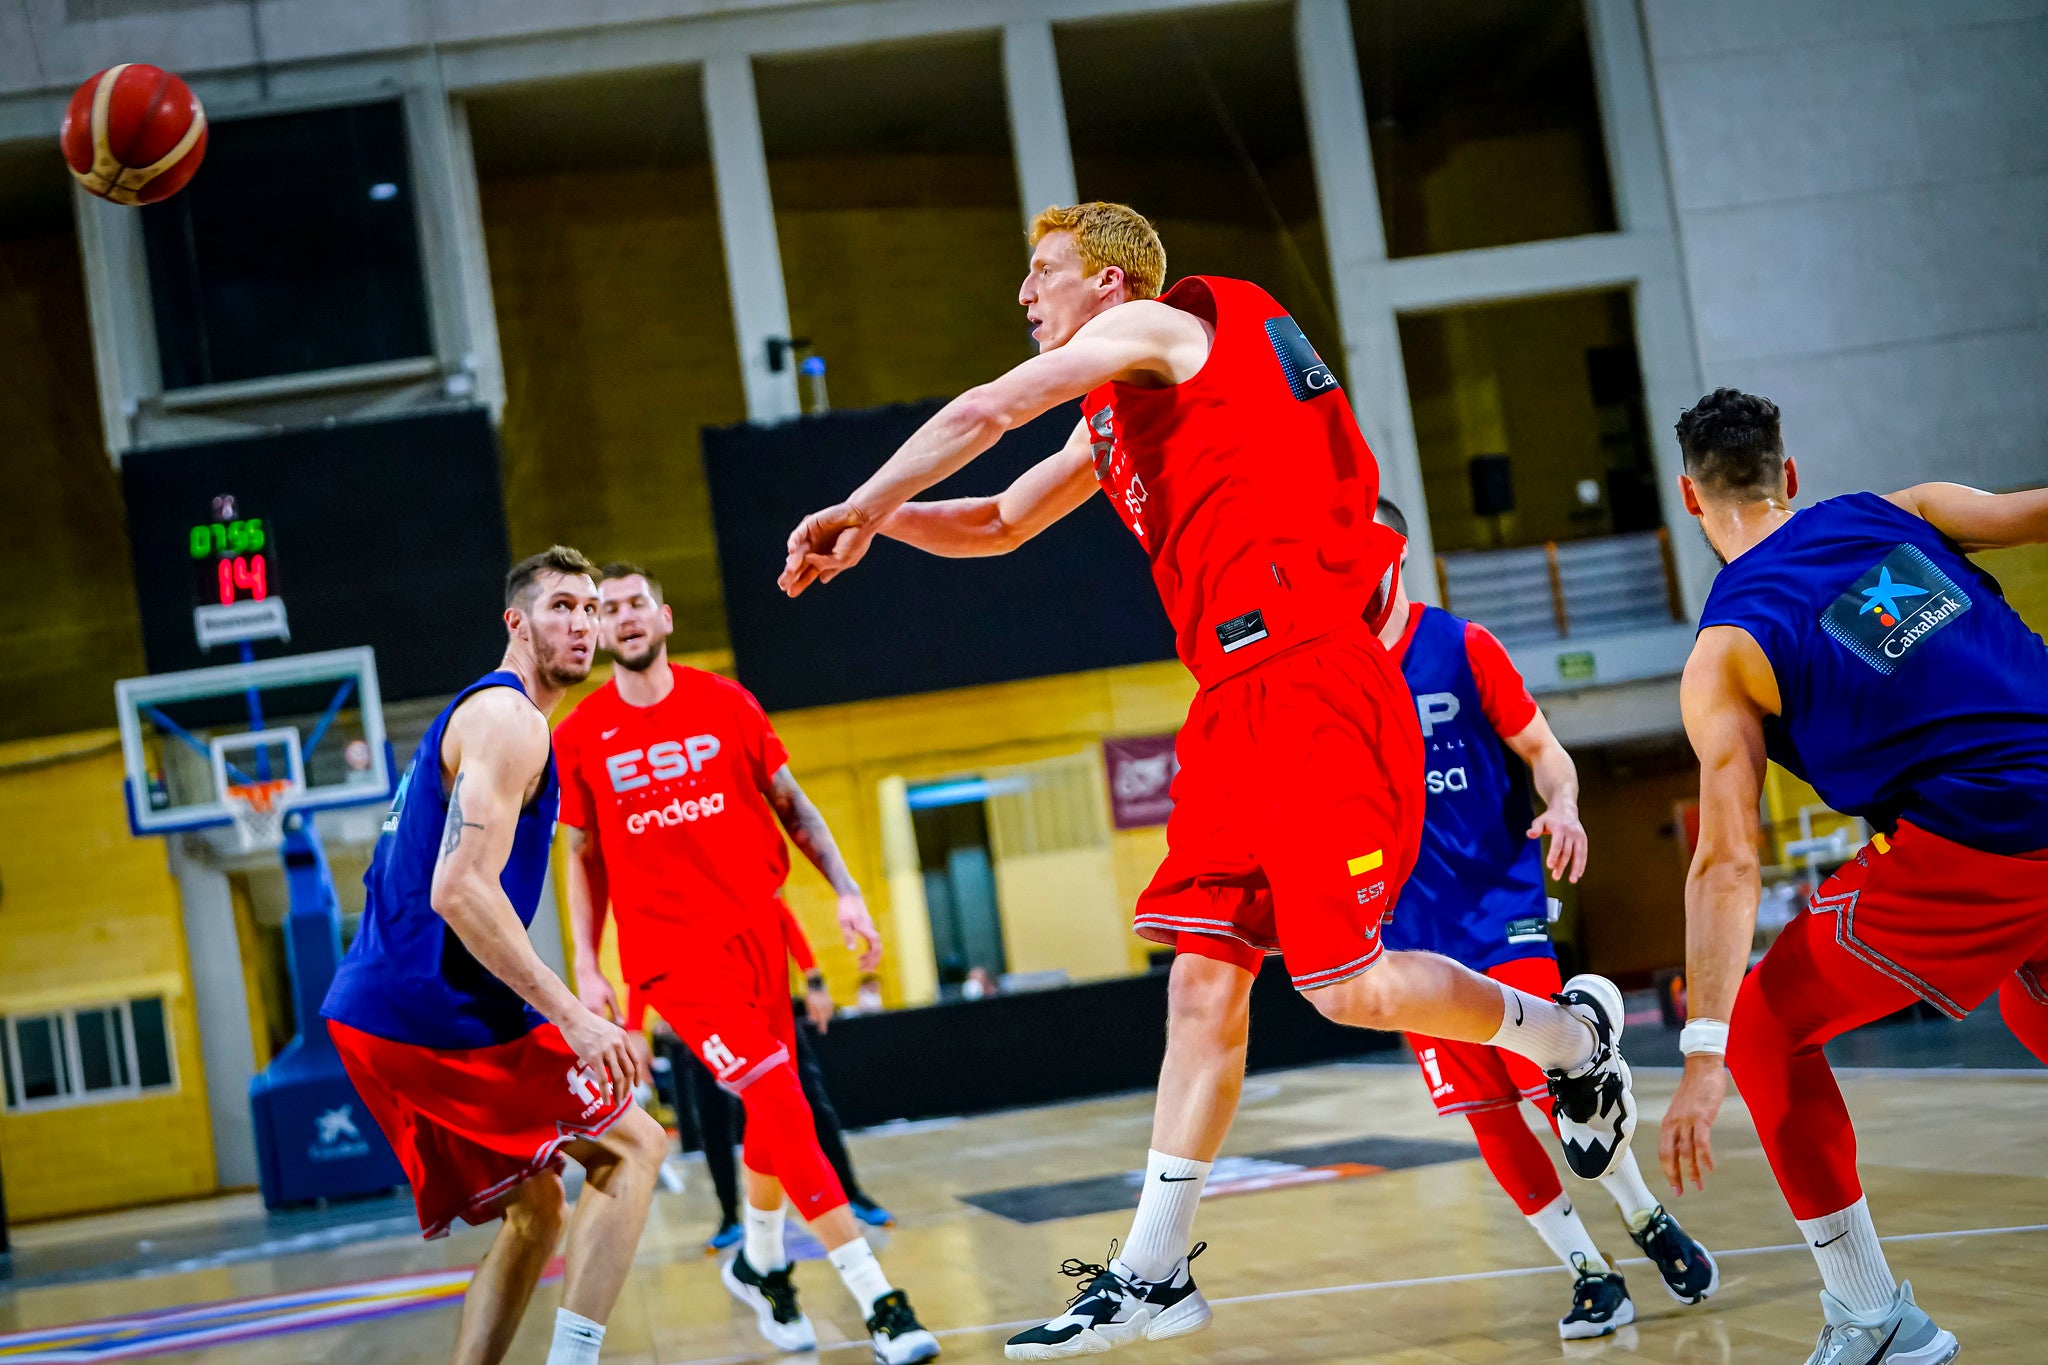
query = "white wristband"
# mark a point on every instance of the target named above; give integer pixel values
(1704, 1035)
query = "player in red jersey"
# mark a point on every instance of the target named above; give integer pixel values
(1226, 445)
(673, 783)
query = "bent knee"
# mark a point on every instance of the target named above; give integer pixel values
(1368, 1000)
(1208, 996)
(638, 1138)
(541, 1208)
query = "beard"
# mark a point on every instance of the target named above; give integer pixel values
(650, 650)
(1719, 558)
(558, 668)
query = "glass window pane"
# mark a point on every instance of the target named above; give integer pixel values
(1196, 121)
(43, 1073)
(152, 1042)
(98, 1040)
(1485, 122)
(896, 212)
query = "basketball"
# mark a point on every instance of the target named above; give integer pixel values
(133, 134)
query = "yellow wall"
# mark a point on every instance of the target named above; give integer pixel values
(92, 916)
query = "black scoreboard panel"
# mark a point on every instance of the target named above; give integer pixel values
(1079, 596)
(388, 533)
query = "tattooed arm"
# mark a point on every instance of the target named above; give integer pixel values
(496, 747)
(808, 830)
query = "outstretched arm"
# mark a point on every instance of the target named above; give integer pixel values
(966, 527)
(1131, 338)
(1977, 520)
(497, 744)
(1727, 691)
(1556, 779)
(808, 830)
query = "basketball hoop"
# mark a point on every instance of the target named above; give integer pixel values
(258, 809)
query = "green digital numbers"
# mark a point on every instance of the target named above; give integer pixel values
(228, 538)
(202, 542)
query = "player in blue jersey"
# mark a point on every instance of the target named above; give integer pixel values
(1855, 643)
(1477, 896)
(480, 1064)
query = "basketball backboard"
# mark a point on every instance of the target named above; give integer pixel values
(313, 722)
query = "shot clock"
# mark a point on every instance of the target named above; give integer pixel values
(235, 589)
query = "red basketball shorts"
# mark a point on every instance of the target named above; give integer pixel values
(1297, 813)
(471, 1126)
(730, 1003)
(1465, 1078)
(1945, 922)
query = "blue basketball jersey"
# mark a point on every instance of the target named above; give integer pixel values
(1909, 689)
(1476, 894)
(407, 976)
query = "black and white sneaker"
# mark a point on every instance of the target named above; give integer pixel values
(1600, 1303)
(1596, 1104)
(898, 1336)
(1687, 1267)
(1111, 1310)
(772, 1296)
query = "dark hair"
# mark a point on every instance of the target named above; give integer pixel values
(1391, 515)
(1731, 445)
(625, 568)
(519, 583)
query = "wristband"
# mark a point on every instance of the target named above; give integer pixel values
(814, 981)
(1704, 1035)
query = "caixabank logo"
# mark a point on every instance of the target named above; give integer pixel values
(1898, 604)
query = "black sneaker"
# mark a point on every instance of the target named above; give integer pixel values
(1111, 1309)
(898, 1336)
(772, 1296)
(1596, 1108)
(1688, 1269)
(1600, 1303)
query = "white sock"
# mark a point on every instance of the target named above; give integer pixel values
(861, 1273)
(1852, 1264)
(1624, 1184)
(1564, 1232)
(1165, 1222)
(577, 1339)
(763, 1242)
(1542, 1030)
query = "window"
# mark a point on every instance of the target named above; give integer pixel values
(85, 1054)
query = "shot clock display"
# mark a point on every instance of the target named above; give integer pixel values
(232, 561)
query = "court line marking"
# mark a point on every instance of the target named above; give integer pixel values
(1515, 1272)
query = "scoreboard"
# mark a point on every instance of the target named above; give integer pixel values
(388, 533)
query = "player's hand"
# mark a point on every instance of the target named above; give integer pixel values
(601, 1046)
(824, 545)
(819, 1008)
(1685, 1147)
(596, 992)
(1567, 858)
(857, 928)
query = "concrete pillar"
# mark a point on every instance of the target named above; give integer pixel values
(1350, 201)
(1038, 118)
(746, 221)
(221, 1003)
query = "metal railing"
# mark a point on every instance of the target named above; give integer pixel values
(1564, 589)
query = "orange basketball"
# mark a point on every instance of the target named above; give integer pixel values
(133, 134)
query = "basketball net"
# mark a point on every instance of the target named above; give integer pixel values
(258, 810)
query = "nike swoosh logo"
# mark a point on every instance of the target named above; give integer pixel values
(1888, 1342)
(1832, 1240)
(1176, 1179)
(609, 733)
(1518, 1011)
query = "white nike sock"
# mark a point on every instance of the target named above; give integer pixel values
(1624, 1185)
(763, 1243)
(577, 1339)
(1542, 1030)
(1564, 1232)
(861, 1273)
(1165, 1222)
(1852, 1264)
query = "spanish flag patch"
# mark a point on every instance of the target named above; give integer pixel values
(1358, 867)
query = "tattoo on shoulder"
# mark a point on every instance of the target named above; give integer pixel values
(451, 833)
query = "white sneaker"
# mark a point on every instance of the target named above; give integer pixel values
(1905, 1335)
(1112, 1309)
(1596, 1104)
(772, 1296)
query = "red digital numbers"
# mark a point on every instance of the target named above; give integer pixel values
(243, 573)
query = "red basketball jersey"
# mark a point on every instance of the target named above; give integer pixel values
(1249, 485)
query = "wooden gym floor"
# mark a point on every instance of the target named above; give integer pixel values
(1423, 1264)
